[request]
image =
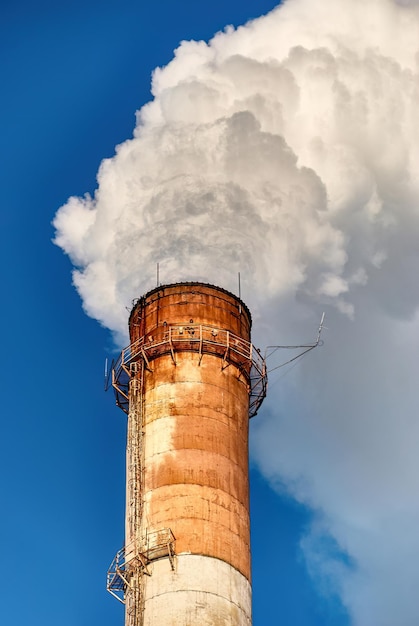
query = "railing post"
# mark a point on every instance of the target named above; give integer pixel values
(200, 344)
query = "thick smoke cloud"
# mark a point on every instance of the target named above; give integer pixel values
(288, 150)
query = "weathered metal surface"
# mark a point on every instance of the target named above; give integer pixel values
(187, 464)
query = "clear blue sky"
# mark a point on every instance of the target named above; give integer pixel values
(72, 76)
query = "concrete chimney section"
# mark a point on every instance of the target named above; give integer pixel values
(189, 381)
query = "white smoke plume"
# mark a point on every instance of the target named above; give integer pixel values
(288, 150)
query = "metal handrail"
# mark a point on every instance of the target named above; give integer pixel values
(192, 337)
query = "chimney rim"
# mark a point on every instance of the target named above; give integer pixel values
(192, 283)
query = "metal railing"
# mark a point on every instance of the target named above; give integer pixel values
(154, 545)
(198, 338)
(116, 581)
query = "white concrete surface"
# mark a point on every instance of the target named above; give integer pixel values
(202, 591)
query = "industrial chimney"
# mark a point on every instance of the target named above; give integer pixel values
(189, 381)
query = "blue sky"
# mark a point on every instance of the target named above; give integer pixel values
(72, 76)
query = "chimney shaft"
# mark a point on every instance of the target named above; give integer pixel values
(185, 380)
